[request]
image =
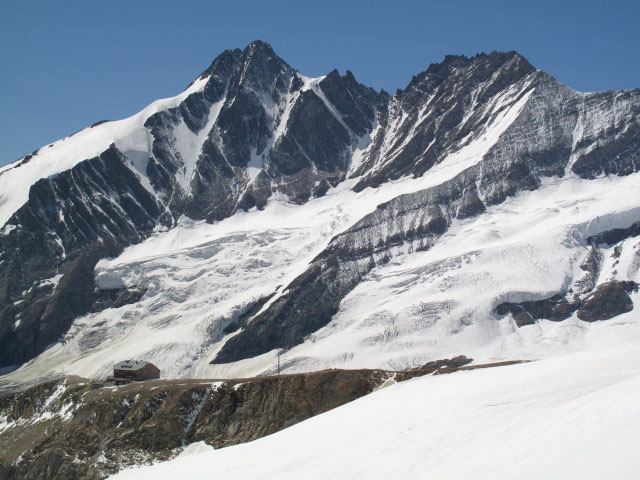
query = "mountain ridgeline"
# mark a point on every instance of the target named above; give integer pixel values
(251, 128)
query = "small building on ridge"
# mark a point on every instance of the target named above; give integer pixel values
(134, 370)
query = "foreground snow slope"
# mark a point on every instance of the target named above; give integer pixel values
(573, 416)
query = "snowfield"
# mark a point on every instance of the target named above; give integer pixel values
(528, 248)
(572, 416)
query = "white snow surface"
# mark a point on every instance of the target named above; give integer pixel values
(572, 416)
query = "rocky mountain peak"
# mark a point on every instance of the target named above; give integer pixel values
(479, 68)
(261, 69)
(255, 59)
(260, 47)
(221, 62)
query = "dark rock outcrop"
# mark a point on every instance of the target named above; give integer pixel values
(607, 301)
(556, 308)
(611, 237)
(116, 297)
(455, 362)
(70, 222)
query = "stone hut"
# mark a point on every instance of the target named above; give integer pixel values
(134, 370)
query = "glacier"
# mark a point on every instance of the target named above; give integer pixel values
(482, 182)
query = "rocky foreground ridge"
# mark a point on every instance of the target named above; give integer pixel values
(74, 428)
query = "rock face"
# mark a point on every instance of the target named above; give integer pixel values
(454, 362)
(607, 301)
(249, 129)
(556, 308)
(447, 106)
(69, 222)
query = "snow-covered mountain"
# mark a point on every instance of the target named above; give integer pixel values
(486, 209)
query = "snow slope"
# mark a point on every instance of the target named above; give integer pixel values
(434, 304)
(199, 277)
(573, 416)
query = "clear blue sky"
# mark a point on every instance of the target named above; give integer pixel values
(67, 64)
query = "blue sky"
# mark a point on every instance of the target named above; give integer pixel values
(67, 64)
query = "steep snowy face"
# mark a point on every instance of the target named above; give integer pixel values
(253, 211)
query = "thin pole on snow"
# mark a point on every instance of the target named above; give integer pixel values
(279, 362)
